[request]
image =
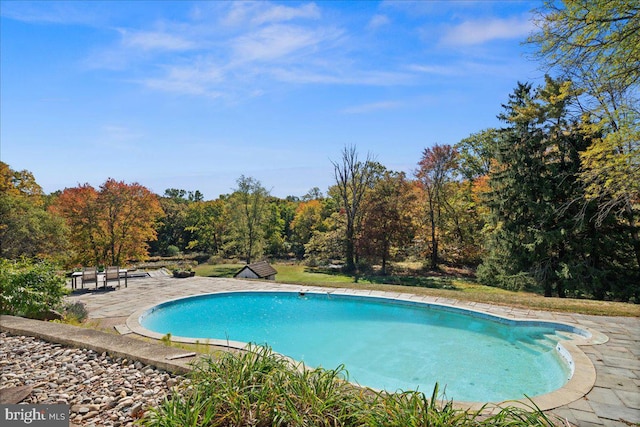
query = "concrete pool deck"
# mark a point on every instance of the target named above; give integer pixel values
(612, 399)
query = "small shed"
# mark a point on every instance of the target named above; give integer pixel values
(257, 270)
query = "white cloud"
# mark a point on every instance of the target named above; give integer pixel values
(62, 13)
(442, 70)
(201, 79)
(378, 21)
(256, 13)
(477, 32)
(274, 41)
(242, 49)
(152, 40)
(239, 50)
(136, 46)
(284, 13)
(468, 68)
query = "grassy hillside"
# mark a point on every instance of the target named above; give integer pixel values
(436, 285)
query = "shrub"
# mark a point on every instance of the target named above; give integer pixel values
(262, 388)
(29, 289)
(75, 312)
(215, 259)
(172, 250)
(312, 261)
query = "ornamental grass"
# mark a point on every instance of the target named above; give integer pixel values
(261, 388)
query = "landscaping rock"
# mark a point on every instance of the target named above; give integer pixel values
(13, 395)
(100, 390)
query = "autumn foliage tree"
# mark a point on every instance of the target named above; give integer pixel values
(387, 223)
(436, 170)
(78, 206)
(27, 229)
(596, 45)
(112, 225)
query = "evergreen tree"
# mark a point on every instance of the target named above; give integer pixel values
(543, 227)
(515, 198)
(596, 44)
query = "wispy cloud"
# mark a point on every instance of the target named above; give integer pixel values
(135, 46)
(227, 48)
(468, 68)
(478, 32)
(235, 50)
(274, 46)
(276, 42)
(155, 40)
(378, 21)
(279, 13)
(197, 79)
(441, 70)
(64, 13)
(251, 13)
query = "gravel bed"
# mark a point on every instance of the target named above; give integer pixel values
(100, 390)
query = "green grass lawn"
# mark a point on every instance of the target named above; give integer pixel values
(303, 275)
(287, 273)
(437, 285)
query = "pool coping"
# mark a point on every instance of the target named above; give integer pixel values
(580, 384)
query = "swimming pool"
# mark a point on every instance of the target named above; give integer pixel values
(384, 344)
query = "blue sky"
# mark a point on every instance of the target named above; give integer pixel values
(193, 95)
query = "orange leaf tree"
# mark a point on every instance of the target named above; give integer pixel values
(437, 169)
(112, 225)
(26, 228)
(387, 222)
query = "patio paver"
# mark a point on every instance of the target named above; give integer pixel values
(613, 401)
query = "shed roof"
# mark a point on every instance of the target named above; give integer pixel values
(261, 269)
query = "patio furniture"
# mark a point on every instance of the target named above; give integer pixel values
(89, 275)
(112, 273)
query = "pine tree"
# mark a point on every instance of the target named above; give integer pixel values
(544, 230)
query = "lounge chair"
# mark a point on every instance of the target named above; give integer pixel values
(112, 273)
(89, 275)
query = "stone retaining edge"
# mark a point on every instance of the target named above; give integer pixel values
(101, 342)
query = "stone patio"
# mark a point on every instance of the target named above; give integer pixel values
(613, 401)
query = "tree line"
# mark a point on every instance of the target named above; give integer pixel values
(548, 201)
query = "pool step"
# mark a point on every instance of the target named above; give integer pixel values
(562, 335)
(537, 345)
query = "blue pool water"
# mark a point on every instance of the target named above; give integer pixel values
(384, 344)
